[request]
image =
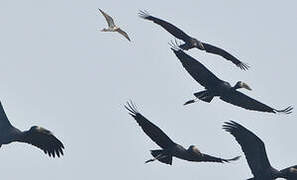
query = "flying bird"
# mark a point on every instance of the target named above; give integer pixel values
(191, 42)
(217, 87)
(169, 147)
(37, 136)
(112, 27)
(255, 153)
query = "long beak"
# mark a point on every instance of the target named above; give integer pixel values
(244, 85)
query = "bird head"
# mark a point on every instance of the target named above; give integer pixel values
(293, 170)
(193, 149)
(241, 84)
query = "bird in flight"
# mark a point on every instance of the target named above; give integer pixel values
(191, 42)
(111, 26)
(217, 87)
(37, 136)
(169, 147)
(255, 153)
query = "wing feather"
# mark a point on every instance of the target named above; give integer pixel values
(45, 140)
(252, 146)
(175, 31)
(154, 132)
(239, 99)
(119, 30)
(109, 19)
(221, 52)
(197, 70)
(4, 122)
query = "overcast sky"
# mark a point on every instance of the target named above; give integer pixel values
(60, 72)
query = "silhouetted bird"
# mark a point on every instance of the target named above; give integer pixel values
(112, 27)
(216, 87)
(255, 153)
(37, 136)
(169, 147)
(191, 42)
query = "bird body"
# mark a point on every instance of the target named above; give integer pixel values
(217, 87)
(191, 42)
(255, 153)
(37, 136)
(169, 148)
(112, 27)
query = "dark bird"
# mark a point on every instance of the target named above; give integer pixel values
(112, 27)
(217, 87)
(255, 153)
(37, 136)
(191, 42)
(169, 147)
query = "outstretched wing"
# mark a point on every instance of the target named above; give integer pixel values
(108, 19)
(209, 158)
(197, 70)
(154, 132)
(4, 122)
(239, 99)
(216, 50)
(176, 32)
(252, 146)
(43, 139)
(119, 30)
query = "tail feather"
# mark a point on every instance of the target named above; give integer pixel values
(204, 96)
(161, 156)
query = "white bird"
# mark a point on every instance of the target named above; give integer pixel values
(37, 136)
(112, 27)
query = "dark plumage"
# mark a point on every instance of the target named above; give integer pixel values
(217, 87)
(169, 147)
(191, 42)
(255, 153)
(37, 136)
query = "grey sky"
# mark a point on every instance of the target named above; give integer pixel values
(58, 71)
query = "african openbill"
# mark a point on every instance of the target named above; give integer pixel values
(169, 147)
(255, 153)
(217, 87)
(37, 136)
(191, 42)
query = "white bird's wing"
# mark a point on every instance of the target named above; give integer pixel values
(108, 19)
(119, 30)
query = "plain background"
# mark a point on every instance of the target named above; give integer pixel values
(60, 72)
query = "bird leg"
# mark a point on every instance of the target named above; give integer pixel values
(191, 101)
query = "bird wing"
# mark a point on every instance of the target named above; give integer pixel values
(4, 122)
(176, 32)
(154, 132)
(43, 139)
(197, 70)
(119, 30)
(252, 146)
(108, 19)
(239, 99)
(216, 50)
(209, 158)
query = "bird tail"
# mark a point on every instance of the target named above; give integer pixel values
(204, 96)
(161, 156)
(186, 46)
